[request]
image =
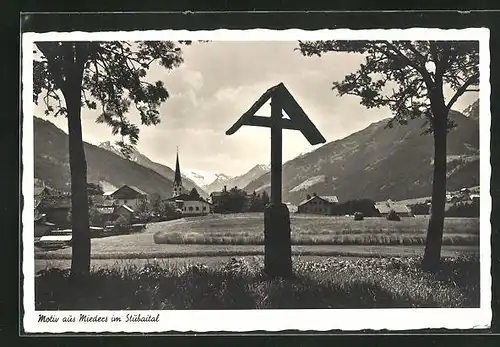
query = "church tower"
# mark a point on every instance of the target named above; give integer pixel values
(178, 188)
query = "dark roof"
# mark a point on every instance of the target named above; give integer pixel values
(387, 207)
(138, 190)
(178, 178)
(38, 190)
(127, 208)
(187, 197)
(128, 192)
(330, 199)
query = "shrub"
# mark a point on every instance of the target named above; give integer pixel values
(359, 216)
(120, 222)
(393, 216)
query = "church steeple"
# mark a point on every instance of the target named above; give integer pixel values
(178, 188)
(178, 178)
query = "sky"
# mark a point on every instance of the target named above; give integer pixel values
(218, 82)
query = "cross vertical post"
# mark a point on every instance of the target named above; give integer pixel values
(276, 150)
(278, 250)
(277, 238)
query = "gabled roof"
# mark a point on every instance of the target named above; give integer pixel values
(106, 210)
(331, 199)
(387, 207)
(138, 190)
(38, 190)
(186, 197)
(127, 208)
(124, 188)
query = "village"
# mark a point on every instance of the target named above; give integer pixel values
(130, 209)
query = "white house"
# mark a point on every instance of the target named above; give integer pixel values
(196, 206)
(129, 195)
(187, 204)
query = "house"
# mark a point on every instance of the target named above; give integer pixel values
(106, 214)
(42, 227)
(317, 204)
(56, 208)
(124, 211)
(189, 205)
(385, 207)
(40, 192)
(291, 207)
(217, 198)
(129, 195)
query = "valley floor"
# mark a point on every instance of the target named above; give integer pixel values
(140, 247)
(326, 276)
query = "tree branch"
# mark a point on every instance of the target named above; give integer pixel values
(46, 49)
(421, 69)
(472, 80)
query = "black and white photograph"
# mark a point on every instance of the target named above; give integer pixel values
(244, 180)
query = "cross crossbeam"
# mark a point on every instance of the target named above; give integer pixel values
(277, 239)
(281, 100)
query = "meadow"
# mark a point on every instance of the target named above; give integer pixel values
(247, 229)
(327, 282)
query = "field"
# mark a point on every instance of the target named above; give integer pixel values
(149, 275)
(247, 229)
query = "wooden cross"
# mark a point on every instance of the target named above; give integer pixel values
(281, 100)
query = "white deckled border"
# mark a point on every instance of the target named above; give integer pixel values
(264, 320)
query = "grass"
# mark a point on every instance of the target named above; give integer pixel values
(240, 284)
(247, 229)
(356, 239)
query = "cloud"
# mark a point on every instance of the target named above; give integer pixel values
(219, 81)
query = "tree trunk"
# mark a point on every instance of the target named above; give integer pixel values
(434, 240)
(80, 260)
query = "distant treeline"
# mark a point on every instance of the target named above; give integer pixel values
(464, 209)
(364, 206)
(237, 200)
(459, 209)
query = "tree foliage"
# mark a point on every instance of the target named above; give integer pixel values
(406, 76)
(113, 81)
(94, 189)
(412, 78)
(109, 77)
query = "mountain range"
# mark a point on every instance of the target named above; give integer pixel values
(381, 163)
(103, 166)
(205, 178)
(163, 170)
(375, 162)
(238, 181)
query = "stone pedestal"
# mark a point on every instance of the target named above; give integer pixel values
(278, 249)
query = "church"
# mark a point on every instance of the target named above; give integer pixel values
(184, 202)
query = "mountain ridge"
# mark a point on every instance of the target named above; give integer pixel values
(380, 163)
(163, 170)
(237, 181)
(51, 161)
